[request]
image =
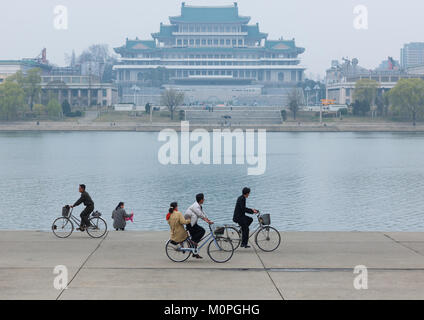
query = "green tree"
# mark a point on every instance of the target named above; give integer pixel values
(361, 107)
(39, 109)
(172, 100)
(383, 103)
(12, 100)
(31, 83)
(408, 97)
(66, 108)
(366, 92)
(295, 101)
(54, 109)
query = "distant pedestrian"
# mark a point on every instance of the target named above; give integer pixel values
(119, 216)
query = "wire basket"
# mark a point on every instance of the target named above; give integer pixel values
(265, 219)
(66, 210)
(219, 231)
(96, 214)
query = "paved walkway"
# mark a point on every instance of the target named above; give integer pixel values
(133, 265)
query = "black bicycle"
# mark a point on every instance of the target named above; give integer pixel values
(63, 227)
(267, 238)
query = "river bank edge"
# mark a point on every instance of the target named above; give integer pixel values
(157, 127)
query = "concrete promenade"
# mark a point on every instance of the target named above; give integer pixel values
(133, 265)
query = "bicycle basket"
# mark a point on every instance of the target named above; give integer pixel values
(65, 211)
(96, 214)
(219, 231)
(265, 219)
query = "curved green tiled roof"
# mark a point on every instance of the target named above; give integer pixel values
(136, 45)
(209, 15)
(165, 31)
(253, 31)
(279, 45)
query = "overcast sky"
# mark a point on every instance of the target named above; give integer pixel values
(325, 28)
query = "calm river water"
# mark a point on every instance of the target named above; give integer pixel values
(313, 181)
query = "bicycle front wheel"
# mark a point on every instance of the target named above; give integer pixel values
(232, 234)
(98, 228)
(62, 227)
(268, 239)
(220, 250)
(178, 252)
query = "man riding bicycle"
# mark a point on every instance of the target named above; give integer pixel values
(89, 207)
(194, 213)
(241, 218)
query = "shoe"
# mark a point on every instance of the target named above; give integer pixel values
(197, 256)
(246, 246)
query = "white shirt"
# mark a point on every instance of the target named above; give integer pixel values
(194, 212)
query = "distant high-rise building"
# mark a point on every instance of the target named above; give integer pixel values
(412, 54)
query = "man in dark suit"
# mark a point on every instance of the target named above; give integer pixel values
(241, 218)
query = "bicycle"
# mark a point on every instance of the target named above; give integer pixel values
(63, 227)
(267, 238)
(220, 249)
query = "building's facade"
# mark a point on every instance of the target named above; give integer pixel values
(206, 48)
(63, 83)
(341, 79)
(11, 67)
(412, 54)
(79, 91)
(419, 69)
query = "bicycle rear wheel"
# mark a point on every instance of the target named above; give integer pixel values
(176, 251)
(232, 234)
(62, 227)
(220, 250)
(98, 228)
(268, 239)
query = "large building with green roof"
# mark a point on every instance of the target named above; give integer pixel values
(207, 47)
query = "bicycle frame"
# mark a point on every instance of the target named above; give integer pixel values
(204, 241)
(259, 227)
(73, 219)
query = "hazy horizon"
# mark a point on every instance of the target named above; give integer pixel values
(325, 29)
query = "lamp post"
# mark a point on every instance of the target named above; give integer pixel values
(135, 89)
(316, 88)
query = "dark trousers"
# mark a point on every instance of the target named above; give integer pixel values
(196, 232)
(244, 223)
(85, 222)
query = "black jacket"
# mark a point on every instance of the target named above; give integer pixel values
(241, 210)
(86, 199)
